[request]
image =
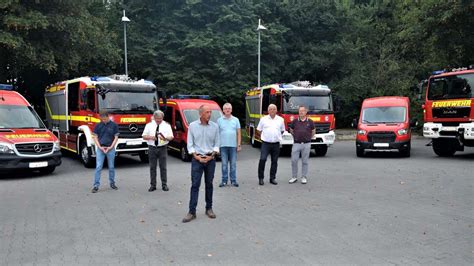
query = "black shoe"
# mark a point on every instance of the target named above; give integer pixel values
(113, 186)
(260, 182)
(273, 181)
(151, 189)
(235, 184)
(222, 184)
(165, 188)
(95, 189)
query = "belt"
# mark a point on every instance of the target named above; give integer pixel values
(270, 142)
(207, 154)
(302, 142)
(157, 146)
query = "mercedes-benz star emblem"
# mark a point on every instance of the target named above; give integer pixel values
(37, 148)
(133, 128)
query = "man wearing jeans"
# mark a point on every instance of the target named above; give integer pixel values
(105, 137)
(271, 128)
(303, 131)
(229, 131)
(157, 133)
(203, 145)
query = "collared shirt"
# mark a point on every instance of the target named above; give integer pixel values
(106, 133)
(271, 128)
(203, 138)
(302, 130)
(228, 130)
(150, 130)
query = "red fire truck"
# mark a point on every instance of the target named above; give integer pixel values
(288, 98)
(449, 110)
(72, 111)
(25, 142)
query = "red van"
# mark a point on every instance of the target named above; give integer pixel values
(25, 142)
(384, 125)
(180, 112)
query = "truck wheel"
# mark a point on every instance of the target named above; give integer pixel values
(444, 147)
(47, 170)
(184, 154)
(321, 150)
(143, 157)
(360, 152)
(253, 141)
(406, 151)
(86, 155)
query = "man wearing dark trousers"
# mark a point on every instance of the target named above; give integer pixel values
(271, 128)
(203, 145)
(157, 133)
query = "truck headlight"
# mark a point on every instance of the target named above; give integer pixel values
(402, 131)
(57, 146)
(361, 132)
(6, 148)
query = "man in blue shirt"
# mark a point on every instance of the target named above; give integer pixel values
(105, 137)
(203, 145)
(229, 131)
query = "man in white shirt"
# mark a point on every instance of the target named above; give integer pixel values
(157, 133)
(271, 128)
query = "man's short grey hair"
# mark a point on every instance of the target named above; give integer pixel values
(227, 105)
(158, 113)
(302, 106)
(272, 105)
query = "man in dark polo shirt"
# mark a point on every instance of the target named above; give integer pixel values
(302, 130)
(105, 137)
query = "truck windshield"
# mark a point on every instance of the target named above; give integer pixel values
(451, 87)
(128, 102)
(192, 115)
(18, 116)
(316, 104)
(391, 114)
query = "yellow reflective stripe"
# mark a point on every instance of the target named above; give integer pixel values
(133, 119)
(62, 147)
(173, 148)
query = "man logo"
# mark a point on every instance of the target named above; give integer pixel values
(37, 148)
(133, 128)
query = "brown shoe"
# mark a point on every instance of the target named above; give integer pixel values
(210, 214)
(189, 217)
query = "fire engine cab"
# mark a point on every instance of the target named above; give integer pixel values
(72, 112)
(25, 142)
(288, 97)
(448, 111)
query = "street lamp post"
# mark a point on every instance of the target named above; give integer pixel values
(259, 29)
(125, 20)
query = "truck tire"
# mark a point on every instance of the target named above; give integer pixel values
(85, 155)
(445, 147)
(47, 170)
(143, 157)
(321, 150)
(253, 141)
(360, 152)
(185, 157)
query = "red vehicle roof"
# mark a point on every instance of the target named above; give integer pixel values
(386, 101)
(12, 98)
(193, 103)
(445, 74)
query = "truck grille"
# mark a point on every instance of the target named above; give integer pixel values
(381, 137)
(322, 128)
(34, 148)
(451, 112)
(128, 131)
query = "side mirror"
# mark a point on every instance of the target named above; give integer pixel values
(355, 123)
(179, 126)
(414, 122)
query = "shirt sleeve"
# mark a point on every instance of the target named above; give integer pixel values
(116, 131)
(282, 124)
(191, 149)
(169, 132)
(312, 124)
(96, 130)
(217, 142)
(145, 131)
(238, 123)
(260, 124)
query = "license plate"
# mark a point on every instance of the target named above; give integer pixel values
(383, 145)
(449, 129)
(38, 164)
(134, 142)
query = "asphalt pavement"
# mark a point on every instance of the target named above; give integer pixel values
(382, 209)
